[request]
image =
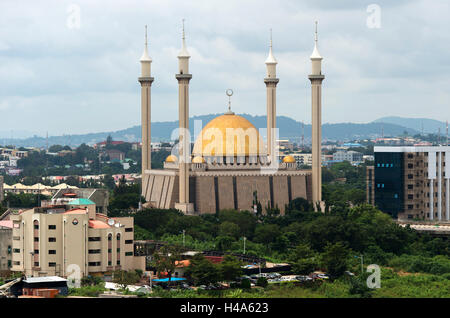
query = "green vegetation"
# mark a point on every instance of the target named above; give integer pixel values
(23, 200)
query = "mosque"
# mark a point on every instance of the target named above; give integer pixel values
(230, 164)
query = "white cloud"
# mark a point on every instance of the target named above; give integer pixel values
(87, 78)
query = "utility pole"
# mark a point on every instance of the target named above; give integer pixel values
(244, 243)
(184, 238)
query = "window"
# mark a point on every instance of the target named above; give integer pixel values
(36, 226)
(118, 250)
(16, 250)
(94, 251)
(410, 187)
(36, 264)
(128, 229)
(52, 251)
(109, 263)
(36, 251)
(94, 263)
(118, 262)
(36, 239)
(410, 197)
(128, 253)
(52, 239)
(410, 176)
(128, 241)
(94, 239)
(16, 263)
(52, 264)
(52, 227)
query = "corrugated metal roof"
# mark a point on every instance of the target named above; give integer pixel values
(45, 279)
(81, 201)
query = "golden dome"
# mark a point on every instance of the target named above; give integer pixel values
(198, 159)
(289, 159)
(228, 135)
(171, 158)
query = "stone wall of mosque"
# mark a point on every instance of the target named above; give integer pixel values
(214, 191)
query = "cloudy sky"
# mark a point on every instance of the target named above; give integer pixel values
(72, 66)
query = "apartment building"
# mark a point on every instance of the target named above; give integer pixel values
(63, 240)
(411, 182)
(351, 156)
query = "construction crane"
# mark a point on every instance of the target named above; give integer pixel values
(4, 288)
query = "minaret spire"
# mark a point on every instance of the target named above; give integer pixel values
(145, 57)
(183, 52)
(315, 54)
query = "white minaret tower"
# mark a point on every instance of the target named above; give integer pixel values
(316, 79)
(271, 81)
(146, 82)
(183, 78)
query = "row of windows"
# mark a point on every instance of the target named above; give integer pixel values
(387, 165)
(50, 227)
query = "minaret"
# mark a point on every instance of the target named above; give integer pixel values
(316, 79)
(146, 82)
(183, 78)
(271, 81)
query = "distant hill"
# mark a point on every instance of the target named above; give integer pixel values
(429, 125)
(289, 128)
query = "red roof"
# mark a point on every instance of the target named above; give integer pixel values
(96, 224)
(183, 263)
(214, 259)
(75, 211)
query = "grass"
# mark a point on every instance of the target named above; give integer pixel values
(393, 285)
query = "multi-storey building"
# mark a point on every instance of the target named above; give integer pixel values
(71, 238)
(411, 182)
(350, 156)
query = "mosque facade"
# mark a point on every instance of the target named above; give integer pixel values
(230, 166)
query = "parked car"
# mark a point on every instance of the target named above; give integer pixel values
(323, 276)
(349, 273)
(303, 278)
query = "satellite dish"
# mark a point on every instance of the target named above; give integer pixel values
(110, 222)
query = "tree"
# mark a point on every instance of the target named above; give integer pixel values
(201, 271)
(224, 243)
(303, 259)
(124, 278)
(229, 229)
(165, 260)
(262, 282)
(266, 233)
(230, 268)
(300, 204)
(335, 259)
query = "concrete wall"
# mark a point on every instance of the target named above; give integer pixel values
(5, 248)
(1, 189)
